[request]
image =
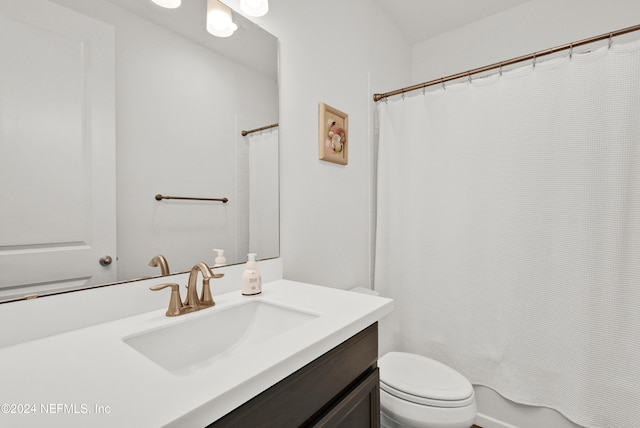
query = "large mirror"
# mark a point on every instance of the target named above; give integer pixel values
(105, 104)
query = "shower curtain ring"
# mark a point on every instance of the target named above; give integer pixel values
(443, 85)
(469, 77)
(610, 40)
(500, 69)
(534, 60)
(571, 52)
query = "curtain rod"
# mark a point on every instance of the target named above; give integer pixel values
(532, 56)
(251, 131)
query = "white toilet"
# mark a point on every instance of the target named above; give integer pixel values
(420, 392)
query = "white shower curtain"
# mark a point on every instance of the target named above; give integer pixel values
(508, 231)
(264, 219)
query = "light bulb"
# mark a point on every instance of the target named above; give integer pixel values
(254, 7)
(169, 4)
(219, 21)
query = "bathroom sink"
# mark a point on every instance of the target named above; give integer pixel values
(200, 339)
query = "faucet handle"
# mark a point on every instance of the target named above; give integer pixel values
(206, 299)
(175, 303)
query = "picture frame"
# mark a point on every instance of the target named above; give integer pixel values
(333, 135)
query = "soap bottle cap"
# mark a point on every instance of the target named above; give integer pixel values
(220, 259)
(251, 261)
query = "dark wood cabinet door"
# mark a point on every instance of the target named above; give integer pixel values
(359, 408)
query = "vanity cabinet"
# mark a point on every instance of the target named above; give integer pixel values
(338, 389)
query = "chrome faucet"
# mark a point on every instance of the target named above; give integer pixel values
(192, 303)
(161, 261)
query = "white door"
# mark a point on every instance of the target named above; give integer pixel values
(57, 149)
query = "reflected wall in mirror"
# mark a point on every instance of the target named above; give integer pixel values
(107, 103)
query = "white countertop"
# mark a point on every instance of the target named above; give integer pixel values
(90, 377)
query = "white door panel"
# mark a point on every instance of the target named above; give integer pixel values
(57, 147)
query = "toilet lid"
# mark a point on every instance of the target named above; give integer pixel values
(423, 380)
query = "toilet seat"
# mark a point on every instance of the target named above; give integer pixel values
(424, 381)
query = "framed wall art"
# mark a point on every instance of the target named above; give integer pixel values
(333, 135)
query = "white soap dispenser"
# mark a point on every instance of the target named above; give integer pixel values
(251, 277)
(220, 260)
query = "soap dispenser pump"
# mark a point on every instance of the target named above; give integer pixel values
(220, 260)
(251, 277)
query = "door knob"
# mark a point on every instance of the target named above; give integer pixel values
(105, 261)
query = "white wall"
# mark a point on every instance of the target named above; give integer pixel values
(179, 111)
(530, 27)
(338, 53)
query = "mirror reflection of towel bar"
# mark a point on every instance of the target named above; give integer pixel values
(160, 197)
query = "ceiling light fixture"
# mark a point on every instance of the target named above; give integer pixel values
(219, 20)
(254, 7)
(169, 4)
